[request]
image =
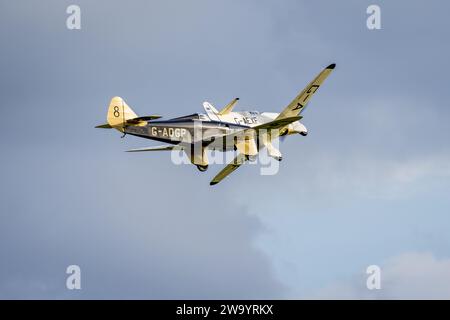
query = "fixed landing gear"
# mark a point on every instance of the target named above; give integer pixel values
(202, 168)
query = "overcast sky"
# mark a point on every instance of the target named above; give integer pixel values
(368, 185)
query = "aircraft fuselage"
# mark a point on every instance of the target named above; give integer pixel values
(185, 130)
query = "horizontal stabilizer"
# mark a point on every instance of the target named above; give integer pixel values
(145, 118)
(104, 126)
(138, 121)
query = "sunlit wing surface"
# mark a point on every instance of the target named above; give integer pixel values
(241, 158)
(233, 165)
(299, 103)
(277, 123)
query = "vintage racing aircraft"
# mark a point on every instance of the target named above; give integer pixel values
(245, 131)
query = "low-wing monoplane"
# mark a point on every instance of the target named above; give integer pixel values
(247, 132)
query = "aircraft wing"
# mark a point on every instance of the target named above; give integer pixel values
(156, 148)
(233, 165)
(299, 103)
(252, 132)
(277, 123)
(241, 158)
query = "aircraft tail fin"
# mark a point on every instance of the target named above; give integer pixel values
(118, 113)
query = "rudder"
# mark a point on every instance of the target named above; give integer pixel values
(118, 113)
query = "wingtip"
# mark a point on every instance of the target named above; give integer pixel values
(331, 66)
(213, 183)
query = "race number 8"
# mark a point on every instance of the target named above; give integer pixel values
(116, 112)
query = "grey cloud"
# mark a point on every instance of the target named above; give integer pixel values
(140, 226)
(415, 275)
(134, 235)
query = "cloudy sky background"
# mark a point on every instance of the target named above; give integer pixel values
(369, 185)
